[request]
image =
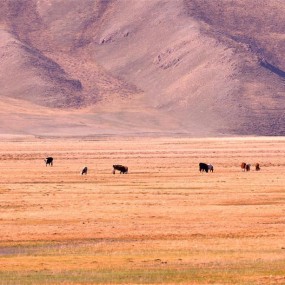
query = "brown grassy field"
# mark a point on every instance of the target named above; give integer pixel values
(164, 222)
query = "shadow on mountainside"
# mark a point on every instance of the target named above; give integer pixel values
(264, 63)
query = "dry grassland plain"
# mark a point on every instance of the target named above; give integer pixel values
(163, 223)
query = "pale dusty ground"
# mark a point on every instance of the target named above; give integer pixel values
(164, 214)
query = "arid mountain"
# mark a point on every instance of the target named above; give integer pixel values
(193, 67)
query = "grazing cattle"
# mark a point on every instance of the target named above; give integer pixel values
(203, 167)
(49, 161)
(210, 167)
(121, 168)
(257, 167)
(243, 165)
(84, 170)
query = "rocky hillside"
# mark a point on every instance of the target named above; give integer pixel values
(194, 67)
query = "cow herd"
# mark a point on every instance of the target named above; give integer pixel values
(246, 166)
(203, 167)
(123, 169)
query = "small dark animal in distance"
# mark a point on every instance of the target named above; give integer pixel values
(121, 168)
(257, 167)
(84, 170)
(203, 167)
(49, 161)
(245, 166)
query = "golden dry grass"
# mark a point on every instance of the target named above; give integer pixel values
(164, 222)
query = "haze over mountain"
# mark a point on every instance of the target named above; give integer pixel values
(195, 67)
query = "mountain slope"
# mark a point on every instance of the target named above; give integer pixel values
(138, 66)
(28, 75)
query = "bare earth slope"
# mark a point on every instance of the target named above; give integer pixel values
(28, 75)
(140, 66)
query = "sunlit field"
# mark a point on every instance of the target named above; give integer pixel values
(162, 223)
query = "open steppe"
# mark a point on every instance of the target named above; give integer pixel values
(164, 222)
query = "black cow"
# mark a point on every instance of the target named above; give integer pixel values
(49, 161)
(203, 167)
(121, 168)
(84, 170)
